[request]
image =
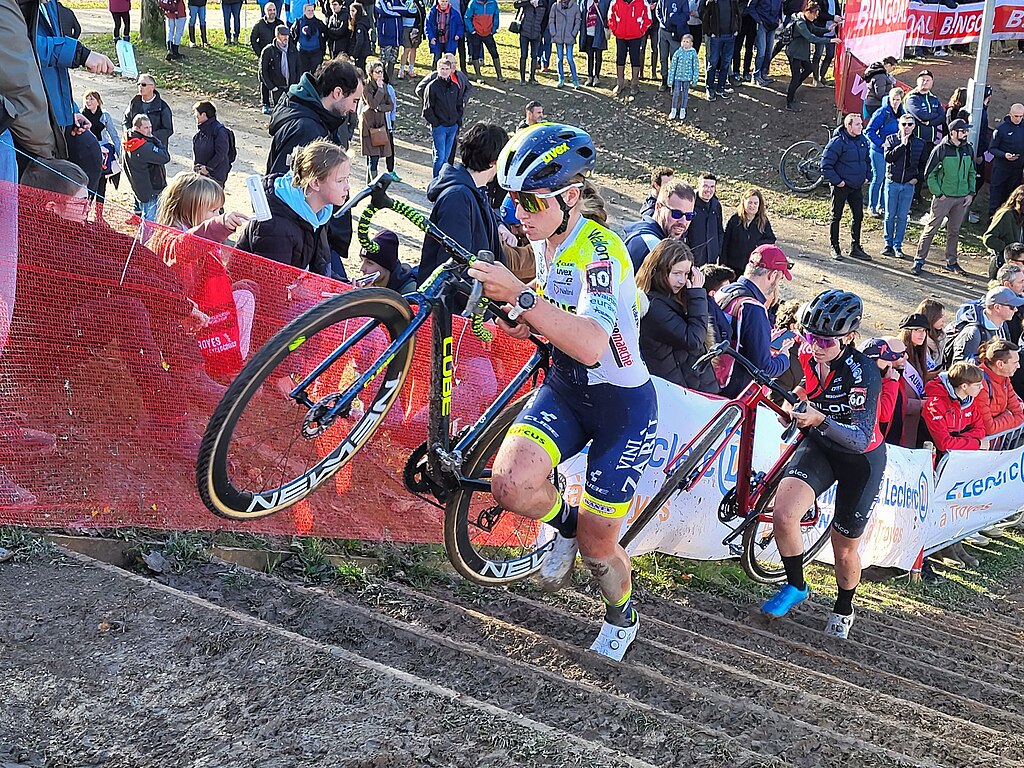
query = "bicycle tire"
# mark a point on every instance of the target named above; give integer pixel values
(726, 421)
(214, 482)
(753, 567)
(470, 558)
(799, 154)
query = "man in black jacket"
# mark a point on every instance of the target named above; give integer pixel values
(145, 158)
(320, 106)
(148, 102)
(460, 205)
(279, 68)
(262, 35)
(211, 146)
(905, 158)
(721, 21)
(707, 230)
(1007, 150)
(443, 105)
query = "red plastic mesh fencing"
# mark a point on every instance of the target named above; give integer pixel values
(107, 384)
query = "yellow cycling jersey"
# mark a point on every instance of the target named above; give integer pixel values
(591, 275)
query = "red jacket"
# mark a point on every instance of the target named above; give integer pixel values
(954, 424)
(1000, 407)
(629, 19)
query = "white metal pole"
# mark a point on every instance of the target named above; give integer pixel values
(977, 90)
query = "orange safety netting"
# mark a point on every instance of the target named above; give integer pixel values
(106, 386)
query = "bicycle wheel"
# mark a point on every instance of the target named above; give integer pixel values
(761, 559)
(800, 167)
(683, 475)
(487, 544)
(263, 451)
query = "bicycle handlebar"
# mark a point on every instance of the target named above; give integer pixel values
(725, 348)
(377, 191)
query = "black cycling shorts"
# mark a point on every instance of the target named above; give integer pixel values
(632, 48)
(620, 423)
(859, 476)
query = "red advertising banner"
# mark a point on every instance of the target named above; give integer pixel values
(932, 25)
(874, 29)
(850, 84)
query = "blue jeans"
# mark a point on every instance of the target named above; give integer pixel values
(564, 51)
(680, 94)
(148, 210)
(443, 137)
(719, 61)
(898, 198)
(196, 12)
(233, 11)
(765, 41)
(544, 54)
(876, 198)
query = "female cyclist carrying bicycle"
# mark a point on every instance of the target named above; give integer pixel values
(840, 389)
(585, 302)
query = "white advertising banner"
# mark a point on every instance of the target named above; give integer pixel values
(688, 524)
(975, 490)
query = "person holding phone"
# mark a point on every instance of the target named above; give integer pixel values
(675, 332)
(383, 267)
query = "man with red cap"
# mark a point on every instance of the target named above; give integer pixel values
(746, 303)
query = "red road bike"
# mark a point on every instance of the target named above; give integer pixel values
(749, 506)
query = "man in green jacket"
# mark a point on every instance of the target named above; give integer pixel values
(950, 174)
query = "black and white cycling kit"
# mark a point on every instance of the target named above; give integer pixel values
(848, 447)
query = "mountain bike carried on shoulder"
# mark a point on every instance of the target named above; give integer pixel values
(325, 384)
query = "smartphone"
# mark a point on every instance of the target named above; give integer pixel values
(365, 280)
(783, 337)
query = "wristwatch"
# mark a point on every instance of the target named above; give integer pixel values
(525, 301)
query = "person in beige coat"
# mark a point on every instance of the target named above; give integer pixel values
(373, 120)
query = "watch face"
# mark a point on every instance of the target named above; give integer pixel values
(527, 300)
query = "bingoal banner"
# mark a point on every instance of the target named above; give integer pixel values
(932, 25)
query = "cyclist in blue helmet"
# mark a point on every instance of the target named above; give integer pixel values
(598, 392)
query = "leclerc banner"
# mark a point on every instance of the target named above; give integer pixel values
(975, 489)
(874, 29)
(688, 524)
(931, 25)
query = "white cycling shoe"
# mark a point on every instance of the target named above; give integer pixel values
(556, 569)
(839, 626)
(614, 641)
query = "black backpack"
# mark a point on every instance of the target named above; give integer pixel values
(232, 150)
(785, 35)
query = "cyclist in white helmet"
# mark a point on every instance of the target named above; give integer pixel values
(598, 392)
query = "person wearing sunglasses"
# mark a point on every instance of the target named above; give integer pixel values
(951, 176)
(673, 212)
(599, 391)
(905, 157)
(842, 445)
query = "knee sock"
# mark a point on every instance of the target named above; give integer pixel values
(844, 602)
(562, 518)
(794, 565)
(621, 614)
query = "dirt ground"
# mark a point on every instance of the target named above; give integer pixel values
(214, 665)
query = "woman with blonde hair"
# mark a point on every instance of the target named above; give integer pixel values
(675, 330)
(884, 122)
(189, 215)
(373, 119)
(301, 204)
(746, 229)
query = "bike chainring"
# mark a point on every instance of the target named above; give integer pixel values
(416, 475)
(727, 511)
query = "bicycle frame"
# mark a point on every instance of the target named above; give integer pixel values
(432, 300)
(748, 486)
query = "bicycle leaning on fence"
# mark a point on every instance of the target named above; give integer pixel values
(323, 411)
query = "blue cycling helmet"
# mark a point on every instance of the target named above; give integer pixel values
(545, 156)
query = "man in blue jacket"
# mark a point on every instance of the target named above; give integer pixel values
(926, 109)
(1007, 148)
(57, 54)
(845, 166)
(672, 215)
(389, 15)
(672, 17)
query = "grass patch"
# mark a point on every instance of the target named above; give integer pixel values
(28, 546)
(219, 72)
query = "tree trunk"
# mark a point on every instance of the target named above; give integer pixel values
(152, 27)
